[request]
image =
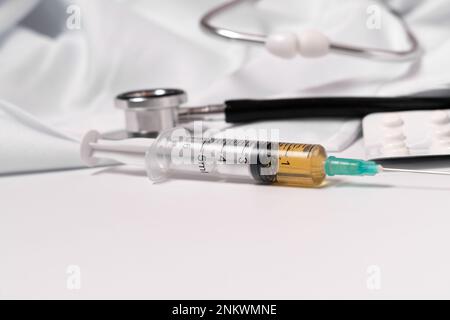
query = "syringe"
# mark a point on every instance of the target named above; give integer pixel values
(173, 154)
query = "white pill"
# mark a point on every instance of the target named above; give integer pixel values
(395, 152)
(394, 145)
(313, 44)
(440, 117)
(440, 146)
(443, 133)
(393, 135)
(283, 45)
(392, 121)
(444, 143)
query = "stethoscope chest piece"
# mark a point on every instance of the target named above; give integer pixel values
(148, 112)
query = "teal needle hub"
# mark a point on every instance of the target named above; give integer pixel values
(350, 167)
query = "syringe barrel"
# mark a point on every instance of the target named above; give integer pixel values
(251, 161)
(209, 158)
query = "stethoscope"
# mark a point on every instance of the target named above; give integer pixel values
(309, 43)
(149, 112)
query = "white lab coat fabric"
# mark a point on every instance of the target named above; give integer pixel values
(56, 82)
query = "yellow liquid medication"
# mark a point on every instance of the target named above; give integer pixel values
(301, 165)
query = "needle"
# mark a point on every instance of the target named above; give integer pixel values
(416, 171)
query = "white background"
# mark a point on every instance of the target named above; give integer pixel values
(195, 239)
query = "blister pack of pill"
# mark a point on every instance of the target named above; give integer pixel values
(397, 135)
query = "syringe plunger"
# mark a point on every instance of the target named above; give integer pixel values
(93, 149)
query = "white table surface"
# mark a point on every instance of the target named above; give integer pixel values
(211, 240)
